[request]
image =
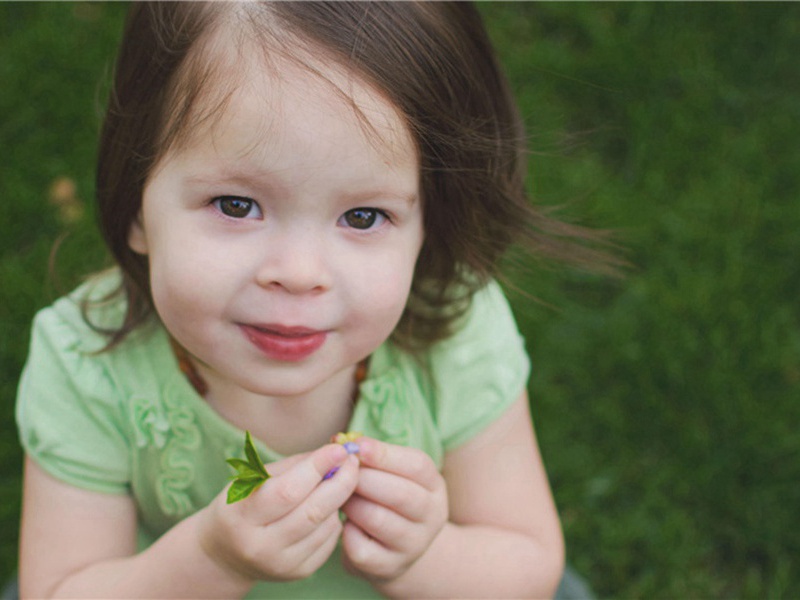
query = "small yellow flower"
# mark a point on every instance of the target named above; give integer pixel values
(343, 438)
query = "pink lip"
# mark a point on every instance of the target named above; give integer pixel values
(289, 344)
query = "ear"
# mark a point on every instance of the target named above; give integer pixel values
(137, 238)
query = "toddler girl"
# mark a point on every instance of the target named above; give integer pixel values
(307, 203)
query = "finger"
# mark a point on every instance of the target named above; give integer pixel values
(319, 556)
(307, 555)
(281, 494)
(281, 466)
(365, 554)
(409, 463)
(382, 524)
(322, 503)
(402, 495)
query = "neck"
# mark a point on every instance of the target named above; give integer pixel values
(288, 425)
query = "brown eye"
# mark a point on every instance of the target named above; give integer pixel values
(362, 218)
(237, 207)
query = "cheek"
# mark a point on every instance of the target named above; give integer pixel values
(175, 299)
(384, 290)
(391, 296)
(183, 292)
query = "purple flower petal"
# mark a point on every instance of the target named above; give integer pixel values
(330, 473)
(351, 447)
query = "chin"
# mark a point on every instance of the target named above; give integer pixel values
(280, 389)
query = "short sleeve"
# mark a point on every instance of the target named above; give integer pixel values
(67, 411)
(481, 370)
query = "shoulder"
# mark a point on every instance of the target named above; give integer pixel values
(67, 353)
(487, 326)
(441, 398)
(68, 408)
(477, 373)
(76, 322)
(74, 398)
(69, 339)
(480, 371)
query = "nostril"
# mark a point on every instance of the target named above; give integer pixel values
(298, 269)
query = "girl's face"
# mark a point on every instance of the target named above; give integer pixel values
(282, 239)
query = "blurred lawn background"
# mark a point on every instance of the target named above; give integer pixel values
(666, 403)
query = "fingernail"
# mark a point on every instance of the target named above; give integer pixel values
(351, 447)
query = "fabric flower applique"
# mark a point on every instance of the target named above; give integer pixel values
(150, 423)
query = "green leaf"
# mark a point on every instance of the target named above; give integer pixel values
(252, 455)
(250, 474)
(244, 469)
(240, 489)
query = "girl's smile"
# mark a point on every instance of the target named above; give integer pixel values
(282, 238)
(285, 343)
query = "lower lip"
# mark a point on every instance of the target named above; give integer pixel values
(283, 347)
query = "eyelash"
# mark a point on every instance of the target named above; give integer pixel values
(373, 214)
(376, 214)
(250, 205)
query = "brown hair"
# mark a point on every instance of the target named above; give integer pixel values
(432, 60)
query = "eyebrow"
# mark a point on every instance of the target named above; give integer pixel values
(409, 199)
(225, 177)
(245, 179)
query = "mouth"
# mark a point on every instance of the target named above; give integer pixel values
(284, 343)
(282, 330)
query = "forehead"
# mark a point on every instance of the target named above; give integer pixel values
(268, 85)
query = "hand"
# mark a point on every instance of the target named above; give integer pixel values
(289, 526)
(399, 507)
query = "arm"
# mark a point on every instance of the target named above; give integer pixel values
(78, 543)
(81, 544)
(502, 537)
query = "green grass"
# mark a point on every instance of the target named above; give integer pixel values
(54, 56)
(666, 403)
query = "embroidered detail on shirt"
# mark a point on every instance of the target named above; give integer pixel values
(389, 406)
(150, 425)
(177, 462)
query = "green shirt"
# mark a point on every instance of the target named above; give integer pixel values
(127, 421)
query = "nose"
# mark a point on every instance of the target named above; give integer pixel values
(296, 262)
